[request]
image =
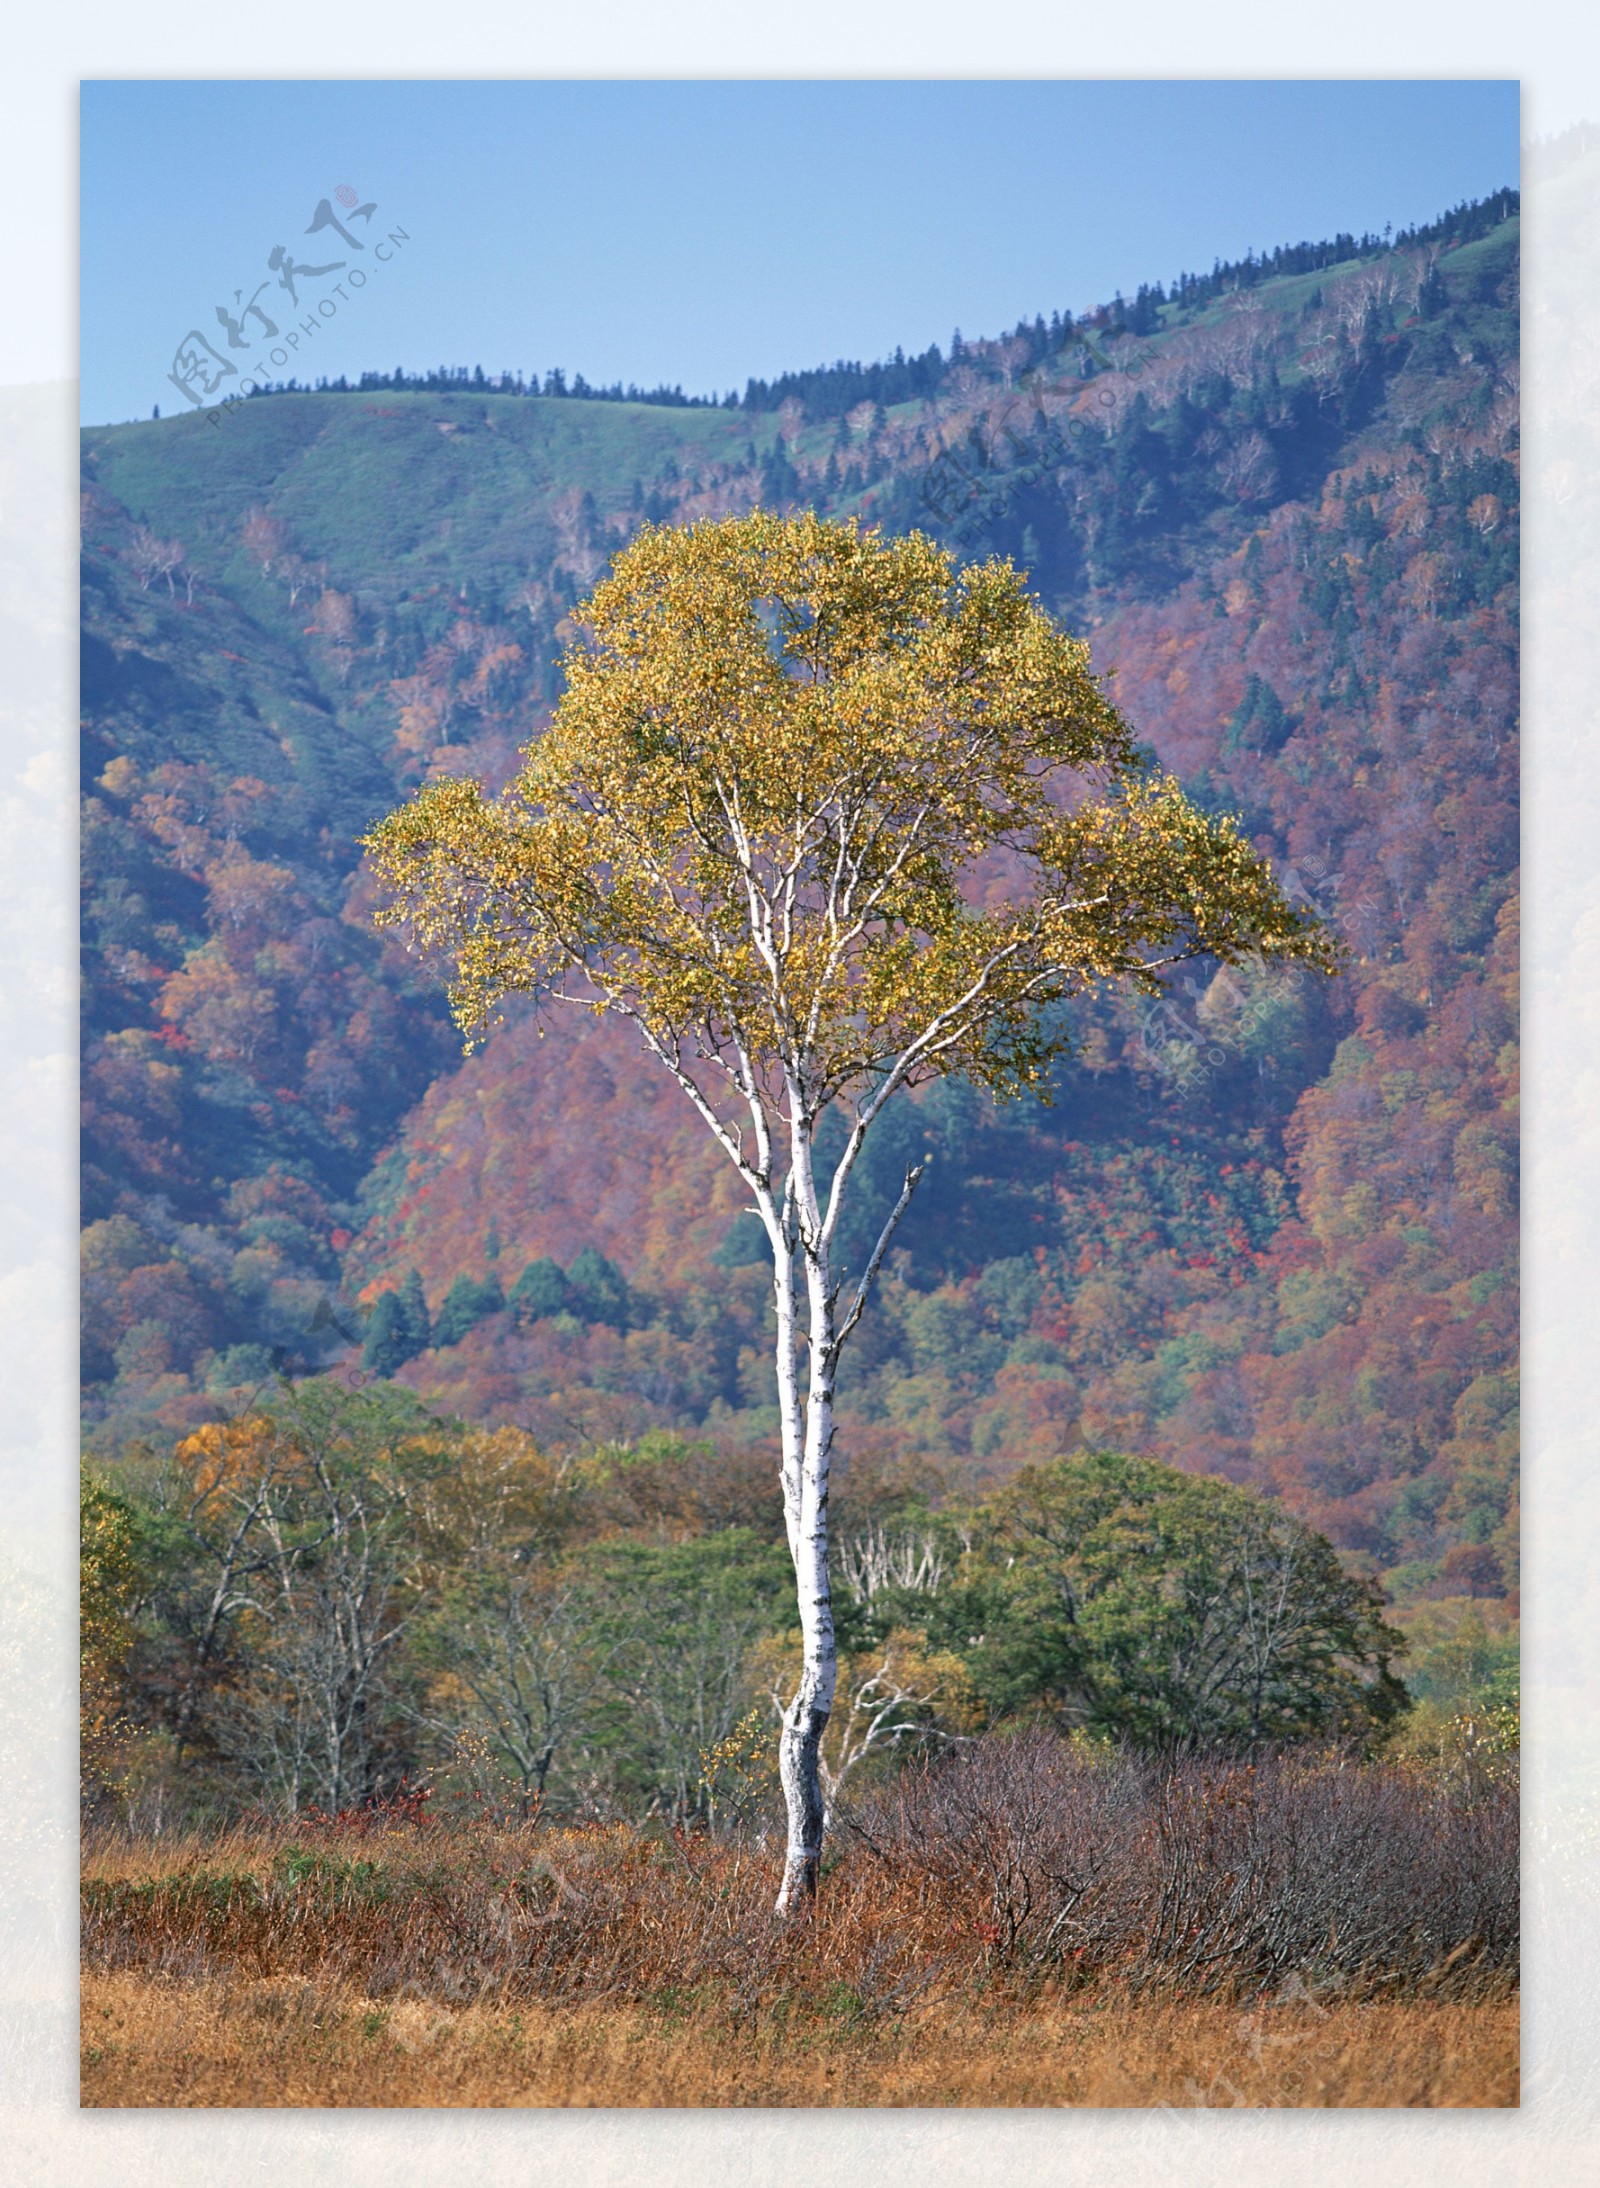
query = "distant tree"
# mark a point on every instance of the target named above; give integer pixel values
(337, 623)
(110, 1581)
(307, 1570)
(171, 558)
(1261, 722)
(399, 1327)
(1171, 1609)
(385, 1347)
(464, 1305)
(598, 1290)
(502, 1645)
(263, 538)
(539, 1292)
(753, 831)
(154, 557)
(297, 574)
(669, 1630)
(414, 1309)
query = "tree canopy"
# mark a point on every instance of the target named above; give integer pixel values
(1171, 1609)
(817, 803)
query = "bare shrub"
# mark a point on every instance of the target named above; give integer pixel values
(1356, 1877)
(1011, 1863)
(1207, 1878)
(1040, 1843)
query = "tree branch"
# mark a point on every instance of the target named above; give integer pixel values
(878, 1252)
(708, 1116)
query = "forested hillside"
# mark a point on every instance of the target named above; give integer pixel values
(1266, 1229)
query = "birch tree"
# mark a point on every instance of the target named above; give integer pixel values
(822, 817)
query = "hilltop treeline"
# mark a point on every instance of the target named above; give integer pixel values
(1465, 223)
(830, 391)
(460, 380)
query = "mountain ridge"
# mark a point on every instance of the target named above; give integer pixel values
(1290, 530)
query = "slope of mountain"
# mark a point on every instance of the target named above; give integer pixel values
(1266, 1229)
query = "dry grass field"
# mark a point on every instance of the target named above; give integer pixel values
(274, 2040)
(1028, 1929)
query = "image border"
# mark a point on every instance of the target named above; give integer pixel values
(47, 2140)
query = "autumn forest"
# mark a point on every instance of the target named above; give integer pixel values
(1264, 1229)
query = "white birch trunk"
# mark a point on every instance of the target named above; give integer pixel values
(806, 1719)
(790, 1421)
(795, 1221)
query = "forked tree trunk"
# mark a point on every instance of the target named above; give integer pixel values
(807, 1448)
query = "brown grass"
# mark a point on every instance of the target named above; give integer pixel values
(1022, 1929)
(275, 2040)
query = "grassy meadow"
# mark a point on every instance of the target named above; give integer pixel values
(268, 2040)
(1027, 1928)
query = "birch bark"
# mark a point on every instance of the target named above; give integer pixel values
(805, 1721)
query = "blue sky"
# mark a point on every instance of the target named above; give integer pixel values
(699, 233)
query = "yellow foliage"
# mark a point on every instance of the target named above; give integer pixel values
(738, 1770)
(108, 1583)
(500, 1489)
(225, 1456)
(752, 828)
(1468, 1748)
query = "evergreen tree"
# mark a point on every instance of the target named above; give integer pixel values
(1262, 723)
(398, 1329)
(386, 1348)
(598, 1288)
(414, 1309)
(540, 1291)
(465, 1304)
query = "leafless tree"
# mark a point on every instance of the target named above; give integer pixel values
(154, 557)
(265, 538)
(317, 1571)
(875, 1560)
(514, 1655)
